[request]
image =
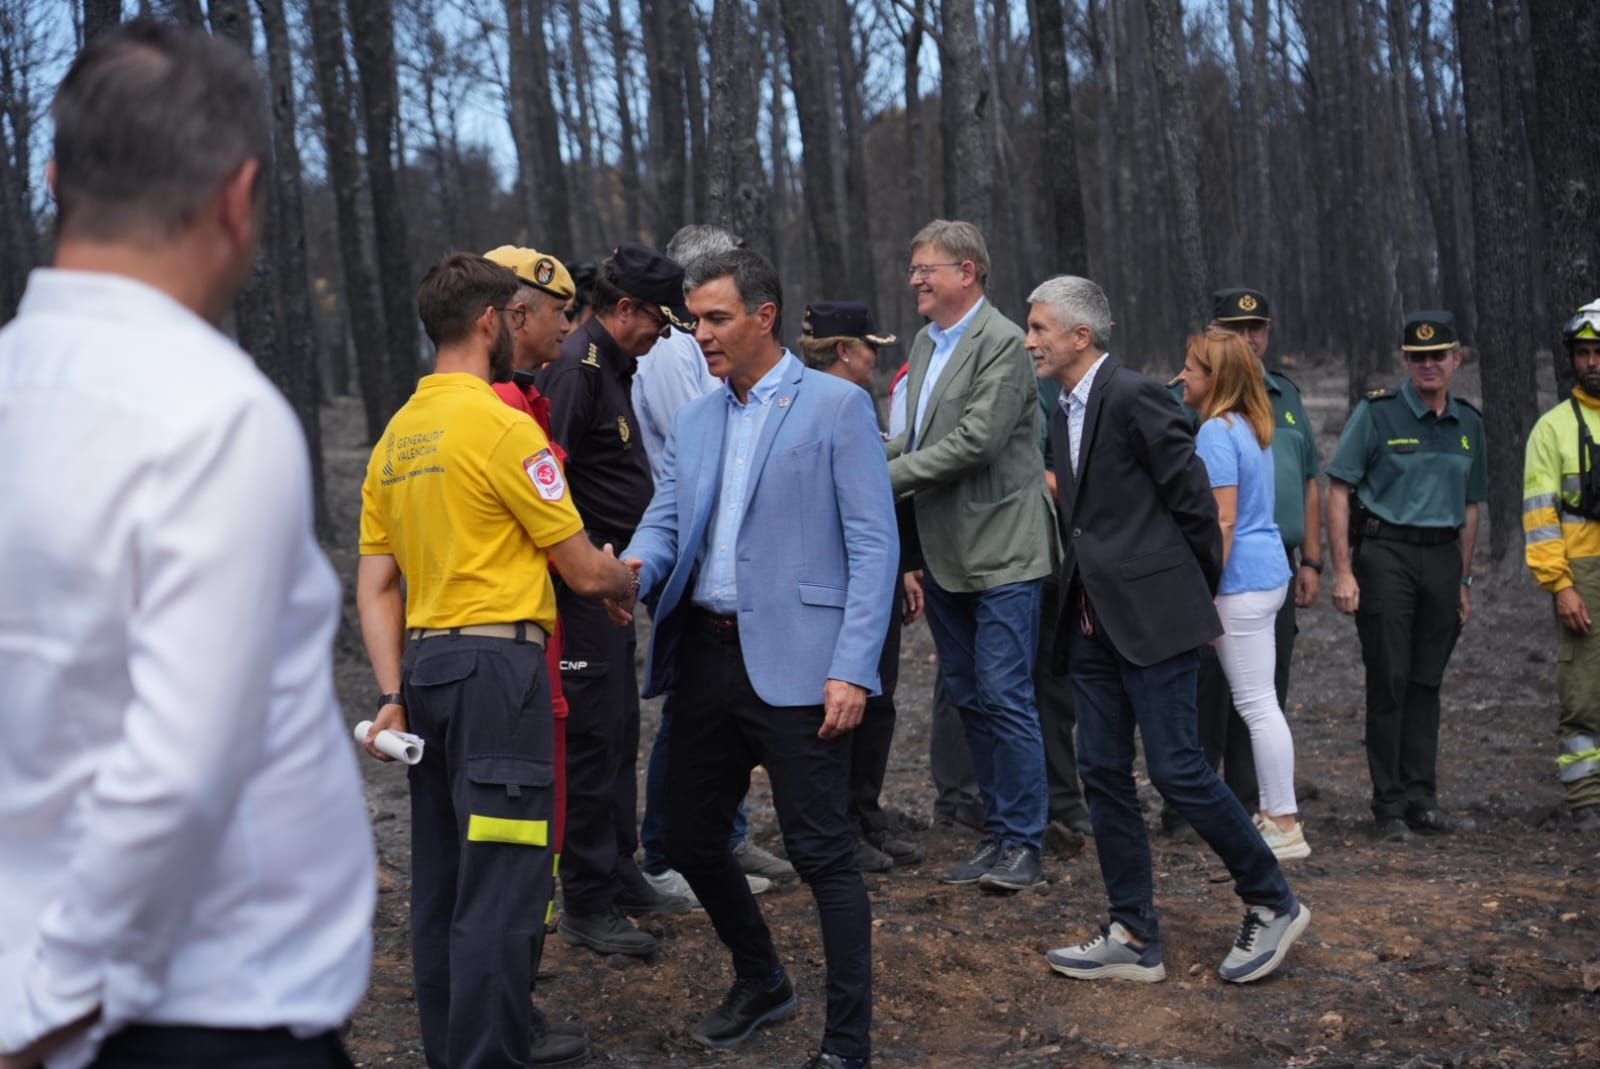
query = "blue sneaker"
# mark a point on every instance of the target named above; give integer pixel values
(1264, 939)
(1110, 956)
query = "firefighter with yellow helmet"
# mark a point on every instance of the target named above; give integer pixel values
(1561, 521)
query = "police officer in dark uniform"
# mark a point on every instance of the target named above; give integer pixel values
(1403, 497)
(637, 295)
(1297, 510)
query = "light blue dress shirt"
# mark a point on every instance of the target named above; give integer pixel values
(1076, 406)
(944, 343)
(716, 588)
(669, 376)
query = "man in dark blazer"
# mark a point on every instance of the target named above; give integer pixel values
(1141, 561)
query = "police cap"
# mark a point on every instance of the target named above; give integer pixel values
(842, 319)
(646, 275)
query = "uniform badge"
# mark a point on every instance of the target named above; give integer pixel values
(592, 357)
(1465, 444)
(545, 474)
(388, 455)
(624, 431)
(544, 271)
(1425, 332)
(1247, 303)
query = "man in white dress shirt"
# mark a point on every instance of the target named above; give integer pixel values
(186, 870)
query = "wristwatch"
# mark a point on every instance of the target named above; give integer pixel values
(391, 699)
(1314, 565)
(1466, 580)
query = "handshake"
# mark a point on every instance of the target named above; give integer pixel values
(619, 606)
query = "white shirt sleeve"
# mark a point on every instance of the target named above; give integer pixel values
(221, 515)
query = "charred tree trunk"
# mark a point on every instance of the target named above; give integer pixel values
(1069, 250)
(1501, 266)
(297, 371)
(629, 148)
(1178, 140)
(736, 190)
(100, 16)
(519, 112)
(372, 34)
(858, 217)
(668, 138)
(965, 83)
(813, 99)
(555, 220)
(360, 292)
(1566, 57)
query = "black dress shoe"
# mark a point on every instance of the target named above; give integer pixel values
(749, 1005)
(970, 870)
(1017, 870)
(826, 1060)
(553, 1044)
(901, 851)
(1063, 840)
(1437, 822)
(642, 900)
(870, 859)
(1392, 830)
(606, 933)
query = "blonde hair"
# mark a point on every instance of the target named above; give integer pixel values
(819, 354)
(1237, 382)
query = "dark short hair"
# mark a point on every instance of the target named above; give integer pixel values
(456, 290)
(150, 120)
(604, 293)
(753, 276)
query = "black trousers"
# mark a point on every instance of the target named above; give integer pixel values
(721, 730)
(482, 802)
(871, 742)
(602, 689)
(143, 1046)
(1052, 688)
(1408, 622)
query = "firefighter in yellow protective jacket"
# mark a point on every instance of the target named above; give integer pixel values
(1561, 519)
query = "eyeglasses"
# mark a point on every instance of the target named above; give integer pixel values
(1437, 356)
(917, 272)
(518, 314)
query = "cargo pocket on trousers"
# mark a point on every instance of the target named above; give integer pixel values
(510, 799)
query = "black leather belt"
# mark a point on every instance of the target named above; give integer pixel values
(1417, 536)
(716, 622)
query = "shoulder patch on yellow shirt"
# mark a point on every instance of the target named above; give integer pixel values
(545, 472)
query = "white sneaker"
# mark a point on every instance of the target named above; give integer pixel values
(672, 882)
(1287, 845)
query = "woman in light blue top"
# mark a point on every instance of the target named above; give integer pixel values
(1223, 381)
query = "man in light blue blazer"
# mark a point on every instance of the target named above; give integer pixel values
(768, 555)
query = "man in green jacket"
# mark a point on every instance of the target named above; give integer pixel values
(970, 461)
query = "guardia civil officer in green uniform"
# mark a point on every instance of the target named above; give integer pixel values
(1403, 495)
(637, 295)
(1297, 510)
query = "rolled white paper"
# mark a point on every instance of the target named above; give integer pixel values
(400, 745)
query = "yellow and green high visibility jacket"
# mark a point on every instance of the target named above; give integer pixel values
(1555, 533)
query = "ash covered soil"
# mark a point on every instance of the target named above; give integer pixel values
(1476, 950)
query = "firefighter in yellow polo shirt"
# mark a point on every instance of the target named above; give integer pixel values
(1561, 519)
(465, 505)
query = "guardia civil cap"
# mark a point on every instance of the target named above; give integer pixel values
(1428, 330)
(1238, 305)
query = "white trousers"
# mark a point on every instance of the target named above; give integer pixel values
(1248, 652)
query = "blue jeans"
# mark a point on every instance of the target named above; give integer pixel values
(653, 829)
(987, 642)
(1114, 696)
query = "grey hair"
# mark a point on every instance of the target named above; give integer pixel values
(962, 240)
(753, 276)
(695, 242)
(1074, 301)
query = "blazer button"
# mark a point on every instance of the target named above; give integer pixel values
(1077, 532)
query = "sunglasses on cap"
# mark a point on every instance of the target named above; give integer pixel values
(1438, 356)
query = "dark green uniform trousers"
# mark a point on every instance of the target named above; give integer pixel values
(1408, 622)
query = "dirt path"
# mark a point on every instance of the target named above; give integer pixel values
(1475, 951)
